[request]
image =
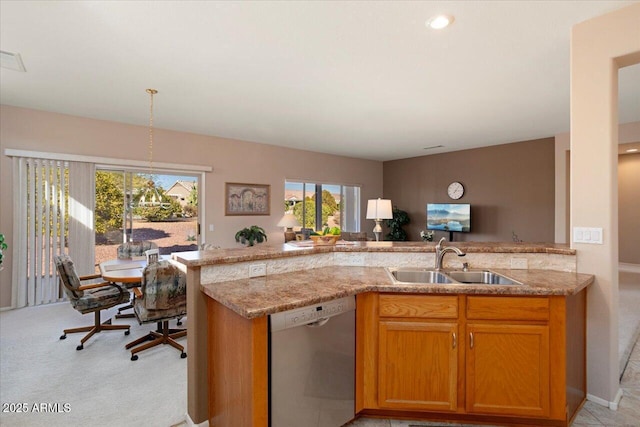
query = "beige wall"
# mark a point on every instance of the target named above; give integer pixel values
(598, 48)
(629, 208)
(628, 137)
(562, 187)
(510, 188)
(232, 161)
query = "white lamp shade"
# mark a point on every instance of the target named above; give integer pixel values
(289, 221)
(379, 209)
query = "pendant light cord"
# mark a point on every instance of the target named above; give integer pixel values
(151, 92)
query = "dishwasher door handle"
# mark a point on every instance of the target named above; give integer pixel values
(318, 323)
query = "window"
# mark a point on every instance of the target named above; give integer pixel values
(318, 205)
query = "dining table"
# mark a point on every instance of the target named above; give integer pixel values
(127, 270)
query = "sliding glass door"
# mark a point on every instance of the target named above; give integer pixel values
(133, 206)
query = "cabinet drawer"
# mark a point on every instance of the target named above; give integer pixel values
(507, 308)
(439, 307)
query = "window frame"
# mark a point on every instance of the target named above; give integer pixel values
(318, 187)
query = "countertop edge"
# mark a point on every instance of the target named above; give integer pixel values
(384, 285)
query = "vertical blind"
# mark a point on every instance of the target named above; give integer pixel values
(53, 214)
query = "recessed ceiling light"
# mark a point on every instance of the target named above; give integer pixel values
(439, 22)
(11, 61)
(632, 150)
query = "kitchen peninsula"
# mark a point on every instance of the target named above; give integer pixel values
(543, 319)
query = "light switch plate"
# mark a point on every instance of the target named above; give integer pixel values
(593, 235)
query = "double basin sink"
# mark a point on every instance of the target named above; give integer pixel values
(454, 277)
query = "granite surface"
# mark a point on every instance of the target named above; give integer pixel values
(260, 296)
(293, 249)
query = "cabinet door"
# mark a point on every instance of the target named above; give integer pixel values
(417, 365)
(507, 369)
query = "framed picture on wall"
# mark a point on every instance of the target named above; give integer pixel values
(247, 199)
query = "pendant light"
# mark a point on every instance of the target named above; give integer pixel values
(151, 92)
(151, 195)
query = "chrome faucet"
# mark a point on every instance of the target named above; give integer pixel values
(441, 250)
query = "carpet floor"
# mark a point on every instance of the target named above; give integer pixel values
(46, 382)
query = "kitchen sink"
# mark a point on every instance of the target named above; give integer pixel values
(425, 275)
(484, 277)
(418, 275)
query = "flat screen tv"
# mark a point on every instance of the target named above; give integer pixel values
(449, 217)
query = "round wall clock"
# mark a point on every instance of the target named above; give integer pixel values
(455, 190)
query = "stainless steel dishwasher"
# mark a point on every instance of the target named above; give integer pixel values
(312, 365)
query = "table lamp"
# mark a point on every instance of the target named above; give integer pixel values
(288, 221)
(377, 210)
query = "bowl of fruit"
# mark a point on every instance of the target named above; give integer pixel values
(326, 237)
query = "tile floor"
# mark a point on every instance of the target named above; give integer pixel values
(591, 414)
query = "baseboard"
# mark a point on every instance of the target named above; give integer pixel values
(6, 308)
(613, 405)
(190, 422)
(629, 268)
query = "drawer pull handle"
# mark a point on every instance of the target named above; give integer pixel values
(455, 340)
(471, 339)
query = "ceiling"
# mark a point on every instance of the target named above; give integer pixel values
(354, 78)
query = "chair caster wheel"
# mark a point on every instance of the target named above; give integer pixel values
(134, 357)
(63, 337)
(183, 355)
(127, 332)
(80, 347)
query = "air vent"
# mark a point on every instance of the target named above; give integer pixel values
(11, 61)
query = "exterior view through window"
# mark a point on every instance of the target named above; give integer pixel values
(318, 205)
(127, 208)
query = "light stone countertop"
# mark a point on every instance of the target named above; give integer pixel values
(260, 296)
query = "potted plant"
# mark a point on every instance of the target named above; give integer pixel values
(3, 246)
(395, 224)
(427, 236)
(251, 235)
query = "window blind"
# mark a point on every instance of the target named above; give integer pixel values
(53, 214)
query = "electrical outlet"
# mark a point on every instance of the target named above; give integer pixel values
(257, 270)
(519, 263)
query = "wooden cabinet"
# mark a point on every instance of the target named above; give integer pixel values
(507, 369)
(471, 357)
(507, 356)
(418, 365)
(418, 352)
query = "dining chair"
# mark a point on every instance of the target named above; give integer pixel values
(128, 250)
(90, 298)
(208, 247)
(162, 297)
